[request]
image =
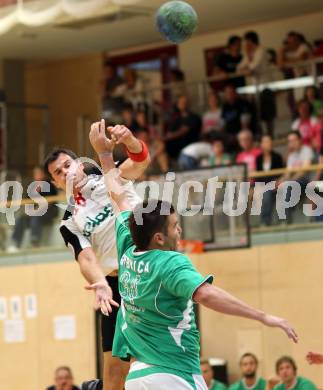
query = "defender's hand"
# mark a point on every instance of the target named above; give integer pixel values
(314, 358)
(276, 322)
(103, 297)
(100, 142)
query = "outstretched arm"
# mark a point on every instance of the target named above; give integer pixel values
(219, 300)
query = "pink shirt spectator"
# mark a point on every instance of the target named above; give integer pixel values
(310, 130)
(249, 158)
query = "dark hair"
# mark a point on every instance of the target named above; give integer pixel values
(249, 354)
(65, 368)
(252, 36)
(152, 222)
(178, 74)
(286, 359)
(53, 156)
(316, 92)
(233, 39)
(304, 100)
(295, 132)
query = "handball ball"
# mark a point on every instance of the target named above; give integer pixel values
(176, 20)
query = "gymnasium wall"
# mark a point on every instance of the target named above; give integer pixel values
(30, 364)
(285, 280)
(71, 88)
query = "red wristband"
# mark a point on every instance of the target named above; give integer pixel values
(139, 157)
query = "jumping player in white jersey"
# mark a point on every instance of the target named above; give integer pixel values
(88, 229)
(156, 327)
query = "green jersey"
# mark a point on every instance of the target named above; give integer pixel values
(259, 385)
(216, 385)
(156, 322)
(301, 384)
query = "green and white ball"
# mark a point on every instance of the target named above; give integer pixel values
(176, 21)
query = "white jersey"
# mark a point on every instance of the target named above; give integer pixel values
(90, 222)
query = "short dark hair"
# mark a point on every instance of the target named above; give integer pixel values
(252, 36)
(295, 132)
(233, 39)
(64, 368)
(152, 222)
(286, 359)
(305, 101)
(53, 156)
(249, 354)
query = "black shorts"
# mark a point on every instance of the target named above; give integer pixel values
(108, 323)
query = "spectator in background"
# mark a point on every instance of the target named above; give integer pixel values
(236, 114)
(267, 161)
(63, 379)
(248, 367)
(308, 125)
(255, 61)
(249, 152)
(312, 95)
(286, 371)
(128, 118)
(300, 156)
(295, 49)
(184, 129)
(177, 84)
(212, 119)
(207, 373)
(132, 89)
(219, 155)
(157, 151)
(225, 64)
(193, 154)
(35, 223)
(111, 80)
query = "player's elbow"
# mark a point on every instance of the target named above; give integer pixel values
(202, 294)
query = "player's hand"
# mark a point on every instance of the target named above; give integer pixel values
(272, 382)
(314, 358)
(276, 322)
(122, 135)
(103, 297)
(98, 138)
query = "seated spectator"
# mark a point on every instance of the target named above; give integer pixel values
(192, 155)
(111, 80)
(35, 223)
(63, 379)
(184, 129)
(308, 126)
(267, 161)
(157, 150)
(250, 380)
(249, 152)
(225, 63)
(300, 156)
(212, 119)
(255, 60)
(219, 156)
(128, 118)
(236, 113)
(207, 373)
(286, 371)
(312, 95)
(132, 89)
(295, 49)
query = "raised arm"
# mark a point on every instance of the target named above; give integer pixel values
(219, 300)
(104, 148)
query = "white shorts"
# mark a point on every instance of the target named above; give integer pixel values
(140, 379)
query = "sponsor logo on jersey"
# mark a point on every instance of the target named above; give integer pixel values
(92, 223)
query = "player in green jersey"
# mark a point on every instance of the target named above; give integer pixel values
(207, 373)
(248, 367)
(156, 327)
(288, 379)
